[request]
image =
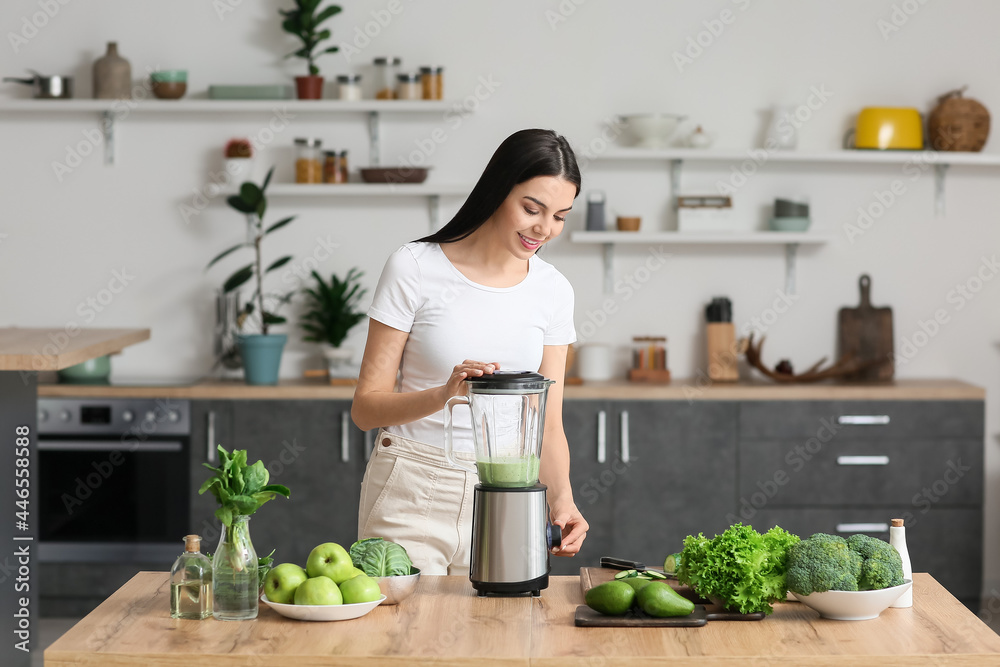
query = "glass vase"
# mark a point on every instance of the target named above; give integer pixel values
(235, 586)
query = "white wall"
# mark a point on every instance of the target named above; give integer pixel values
(64, 239)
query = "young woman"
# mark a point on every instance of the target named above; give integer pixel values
(469, 299)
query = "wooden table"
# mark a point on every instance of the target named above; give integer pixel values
(24, 352)
(445, 623)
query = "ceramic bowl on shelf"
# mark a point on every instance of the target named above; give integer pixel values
(650, 130)
(322, 612)
(397, 589)
(853, 605)
(169, 84)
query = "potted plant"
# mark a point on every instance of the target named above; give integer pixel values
(330, 315)
(238, 155)
(304, 22)
(261, 352)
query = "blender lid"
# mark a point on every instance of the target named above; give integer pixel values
(520, 381)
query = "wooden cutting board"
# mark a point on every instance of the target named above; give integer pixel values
(866, 332)
(592, 576)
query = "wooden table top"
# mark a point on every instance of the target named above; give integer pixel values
(446, 623)
(55, 349)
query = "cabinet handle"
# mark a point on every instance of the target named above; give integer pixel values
(345, 437)
(862, 460)
(863, 420)
(602, 436)
(370, 442)
(624, 444)
(210, 451)
(862, 528)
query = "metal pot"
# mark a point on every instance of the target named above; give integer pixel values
(47, 87)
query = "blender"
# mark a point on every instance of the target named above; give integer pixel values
(511, 533)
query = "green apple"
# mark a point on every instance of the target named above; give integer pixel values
(330, 560)
(355, 573)
(361, 588)
(318, 590)
(280, 582)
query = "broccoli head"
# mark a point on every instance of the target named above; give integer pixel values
(822, 563)
(881, 567)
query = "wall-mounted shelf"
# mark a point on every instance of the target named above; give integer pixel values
(432, 191)
(939, 160)
(114, 111)
(790, 240)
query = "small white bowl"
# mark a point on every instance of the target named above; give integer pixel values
(322, 612)
(396, 589)
(853, 605)
(650, 130)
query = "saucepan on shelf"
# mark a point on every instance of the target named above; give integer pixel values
(46, 87)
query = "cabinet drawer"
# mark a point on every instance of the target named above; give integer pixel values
(921, 473)
(947, 543)
(845, 420)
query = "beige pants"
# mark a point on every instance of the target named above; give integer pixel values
(411, 495)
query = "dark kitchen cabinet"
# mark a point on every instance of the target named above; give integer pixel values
(310, 446)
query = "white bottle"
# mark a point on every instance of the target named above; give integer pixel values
(897, 538)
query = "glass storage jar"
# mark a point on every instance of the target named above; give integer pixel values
(408, 86)
(649, 353)
(308, 168)
(349, 87)
(332, 173)
(386, 71)
(432, 82)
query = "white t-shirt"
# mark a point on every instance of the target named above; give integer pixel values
(451, 319)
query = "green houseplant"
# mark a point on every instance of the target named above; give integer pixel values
(331, 312)
(304, 22)
(261, 352)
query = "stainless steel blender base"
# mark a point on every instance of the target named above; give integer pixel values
(510, 540)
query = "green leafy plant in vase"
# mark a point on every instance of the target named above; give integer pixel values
(331, 312)
(304, 22)
(261, 353)
(240, 491)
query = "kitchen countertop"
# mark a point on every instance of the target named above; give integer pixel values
(915, 389)
(446, 623)
(55, 349)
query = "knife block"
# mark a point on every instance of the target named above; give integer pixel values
(723, 358)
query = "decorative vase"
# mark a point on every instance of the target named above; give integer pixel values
(112, 76)
(781, 134)
(261, 355)
(338, 360)
(235, 585)
(239, 169)
(227, 312)
(309, 87)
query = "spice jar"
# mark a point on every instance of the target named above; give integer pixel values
(649, 353)
(386, 70)
(349, 87)
(432, 82)
(343, 167)
(307, 164)
(408, 86)
(331, 168)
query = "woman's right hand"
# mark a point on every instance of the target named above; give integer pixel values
(468, 368)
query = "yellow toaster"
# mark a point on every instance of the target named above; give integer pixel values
(889, 128)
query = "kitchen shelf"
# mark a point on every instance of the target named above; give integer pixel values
(940, 160)
(432, 191)
(790, 240)
(114, 111)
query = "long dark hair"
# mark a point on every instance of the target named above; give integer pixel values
(522, 156)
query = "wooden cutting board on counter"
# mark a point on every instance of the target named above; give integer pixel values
(704, 610)
(866, 333)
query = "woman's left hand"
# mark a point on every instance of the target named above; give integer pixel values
(574, 528)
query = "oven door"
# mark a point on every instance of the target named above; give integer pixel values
(109, 501)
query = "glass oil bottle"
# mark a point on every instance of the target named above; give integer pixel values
(191, 582)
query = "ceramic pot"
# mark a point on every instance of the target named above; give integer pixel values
(309, 87)
(261, 357)
(112, 76)
(338, 359)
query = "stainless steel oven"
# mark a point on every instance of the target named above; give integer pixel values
(113, 481)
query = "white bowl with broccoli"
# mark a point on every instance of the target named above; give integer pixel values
(853, 605)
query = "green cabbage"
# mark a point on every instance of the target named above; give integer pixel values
(377, 557)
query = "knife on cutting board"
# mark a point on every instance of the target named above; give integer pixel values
(866, 333)
(625, 564)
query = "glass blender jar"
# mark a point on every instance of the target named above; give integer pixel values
(511, 533)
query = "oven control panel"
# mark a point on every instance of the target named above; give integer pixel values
(119, 416)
